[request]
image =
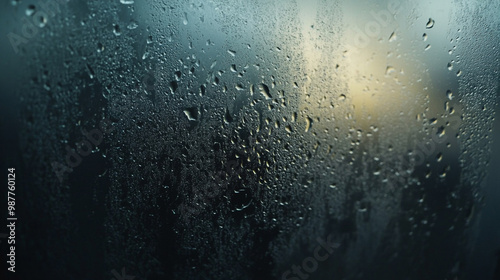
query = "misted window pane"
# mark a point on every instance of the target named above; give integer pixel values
(251, 139)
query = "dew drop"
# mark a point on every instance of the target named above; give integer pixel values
(192, 113)
(430, 24)
(393, 37)
(309, 122)
(449, 94)
(389, 70)
(132, 25)
(264, 90)
(30, 10)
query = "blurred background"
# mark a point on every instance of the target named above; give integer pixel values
(252, 140)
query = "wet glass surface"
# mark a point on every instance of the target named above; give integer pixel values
(252, 140)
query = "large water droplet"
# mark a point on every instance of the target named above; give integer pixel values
(430, 24)
(264, 90)
(30, 10)
(192, 113)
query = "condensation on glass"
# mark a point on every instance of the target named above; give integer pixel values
(248, 131)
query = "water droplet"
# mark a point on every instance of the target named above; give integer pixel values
(231, 52)
(459, 73)
(132, 25)
(239, 86)
(393, 37)
(264, 90)
(430, 24)
(30, 10)
(41, 21)
(173, 86)
(309, 122)
(389, 70)
(424, 37)
(450, 66)
(116, 30)
(441, 132)
(427, 47)
(449, 94)
(192, 113)
(439, 157)
(127, 2)
(185, 20)
(227, 116)
(100, 47)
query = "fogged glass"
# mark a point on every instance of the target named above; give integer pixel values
(255, 139)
